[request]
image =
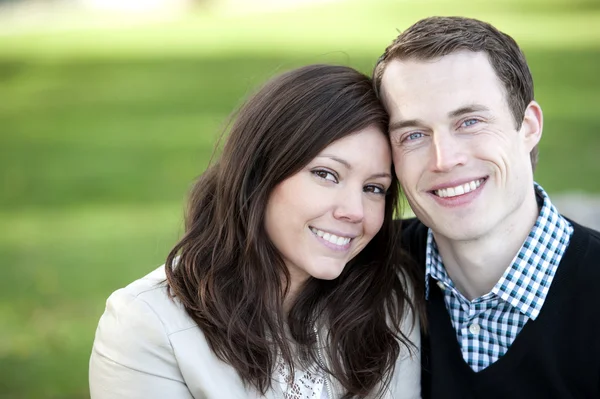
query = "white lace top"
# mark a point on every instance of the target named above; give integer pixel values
(305, 384)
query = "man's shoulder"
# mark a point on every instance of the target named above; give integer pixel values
(594, 236)
(410, 225)
(581, 261)
(587, 240)
(411, 229)
(413, 235)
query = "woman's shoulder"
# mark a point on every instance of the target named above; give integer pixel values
(406, 380)
(149, 297)
(146, 342)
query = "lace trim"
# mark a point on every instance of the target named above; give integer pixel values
(305, 384)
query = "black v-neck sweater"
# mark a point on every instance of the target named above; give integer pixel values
(555, 356)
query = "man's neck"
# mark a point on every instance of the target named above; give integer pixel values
(476, 266)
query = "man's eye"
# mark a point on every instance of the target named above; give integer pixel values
(413, 136)
(470, 122)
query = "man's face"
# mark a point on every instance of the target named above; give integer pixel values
(463, 165)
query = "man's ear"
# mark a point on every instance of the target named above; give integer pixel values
(532, 126)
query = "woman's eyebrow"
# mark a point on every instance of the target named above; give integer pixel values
(337, 159)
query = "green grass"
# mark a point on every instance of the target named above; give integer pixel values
(102, 131)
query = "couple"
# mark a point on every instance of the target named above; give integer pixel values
(294, 281)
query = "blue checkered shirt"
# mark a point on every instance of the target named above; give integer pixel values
(487, 326)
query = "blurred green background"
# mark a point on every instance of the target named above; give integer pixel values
(105, 119)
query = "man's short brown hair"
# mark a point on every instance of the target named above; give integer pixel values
(435, 37)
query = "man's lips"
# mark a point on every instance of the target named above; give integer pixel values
(457, 188)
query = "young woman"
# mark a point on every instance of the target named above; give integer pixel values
(288, 282)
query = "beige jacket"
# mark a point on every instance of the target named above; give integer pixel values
(147, 347)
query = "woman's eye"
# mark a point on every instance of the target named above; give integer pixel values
(470, 122)
(374, 189)
(325, 175)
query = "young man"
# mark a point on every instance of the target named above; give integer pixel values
(510, 283)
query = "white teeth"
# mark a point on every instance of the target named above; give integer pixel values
(332, 238)
(458, 190)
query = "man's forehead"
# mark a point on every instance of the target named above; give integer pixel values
(464, 61)
(459, 79)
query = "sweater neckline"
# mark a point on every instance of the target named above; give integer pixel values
(568, 266)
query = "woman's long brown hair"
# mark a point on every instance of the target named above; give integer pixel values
(231, 279)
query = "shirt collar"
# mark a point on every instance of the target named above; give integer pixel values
(526, 282)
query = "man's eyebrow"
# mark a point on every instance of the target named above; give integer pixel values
(467, 110)
(401, 124)
(337, 159)
(397, 125)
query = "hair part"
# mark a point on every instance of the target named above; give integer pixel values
(436, 37)
(231, 279)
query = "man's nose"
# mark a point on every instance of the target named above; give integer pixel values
(447, 152)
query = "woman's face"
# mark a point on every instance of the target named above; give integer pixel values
(325, 214)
